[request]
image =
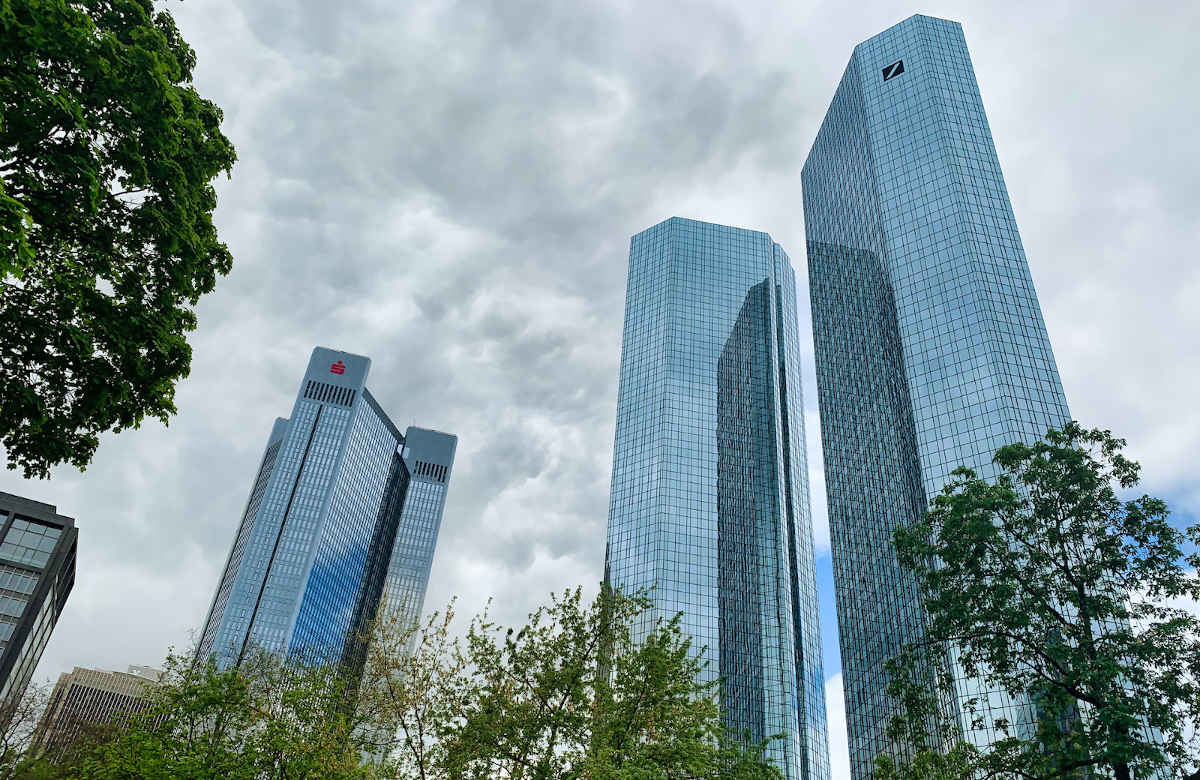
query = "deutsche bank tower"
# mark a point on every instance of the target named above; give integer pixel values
(342, 520)
(709, 502)
(931, 351)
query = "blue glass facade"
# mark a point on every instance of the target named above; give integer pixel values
(326, 512)
(709, 502)
(931, 350)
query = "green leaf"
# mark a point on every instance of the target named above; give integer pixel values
(1050, 587)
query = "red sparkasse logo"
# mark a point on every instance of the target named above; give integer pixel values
(338, 368)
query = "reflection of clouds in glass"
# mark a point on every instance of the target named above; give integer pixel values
(412, 554)
(709, 501)
(356, 204)
(748, 526)
(29, 542)
(326, 516)
(931, 351)
(296, 578)
(338, 579)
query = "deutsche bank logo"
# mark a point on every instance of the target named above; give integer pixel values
(893, 70)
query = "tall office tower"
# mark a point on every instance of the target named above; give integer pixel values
(709, 501)
(931, 351)
(87, 698)
(37, 572)
(343, 514)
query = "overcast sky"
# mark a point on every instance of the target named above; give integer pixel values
(449, 188)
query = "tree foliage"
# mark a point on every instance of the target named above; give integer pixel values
(1051, 587)
(107, 154)
(575, 693)
(268, 719)
(925, 726)
(416, 684)
(592, 691)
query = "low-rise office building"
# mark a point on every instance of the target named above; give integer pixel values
(88, 699)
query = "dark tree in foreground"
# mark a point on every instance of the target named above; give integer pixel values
(1055, 589)
(107, 154)
(926, 721)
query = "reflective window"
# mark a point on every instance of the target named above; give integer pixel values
(13, 607)
(19, 580)
(29, 542)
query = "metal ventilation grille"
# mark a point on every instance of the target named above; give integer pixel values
(329, 394)
(431, 471)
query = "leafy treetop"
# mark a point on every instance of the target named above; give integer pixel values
(107, 154)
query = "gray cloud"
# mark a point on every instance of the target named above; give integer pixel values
(450, 187)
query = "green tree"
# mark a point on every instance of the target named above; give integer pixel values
(924, 728)
(307, 724)
(107, 154)
(416, 683)
(268, 719)
(1053, 588)
(925, 731)
(573, 694)
(578, 692)
(195, 726)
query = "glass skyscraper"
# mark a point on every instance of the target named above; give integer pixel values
(37, 572)
(931, 351)
(709, 502)
(343, 515)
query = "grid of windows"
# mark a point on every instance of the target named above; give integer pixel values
(297, 580)
(338, 565)
(709, 502)
(239, 626)
(234, 562)
(19, 580)
(12, 607)
(16, 586)
(412, 554)
(86, 699)
(296, 509)
(931, 350)
(29, 542)
(31, 652)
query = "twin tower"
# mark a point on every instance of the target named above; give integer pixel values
(931, 353)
